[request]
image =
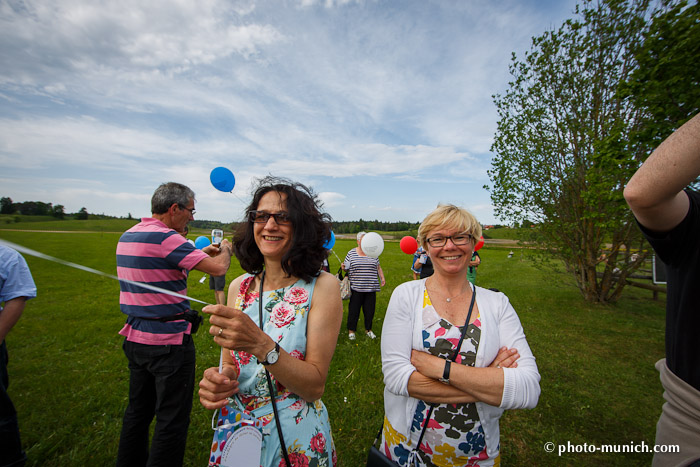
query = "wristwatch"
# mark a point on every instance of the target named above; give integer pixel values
(446, 373)
(272, 356)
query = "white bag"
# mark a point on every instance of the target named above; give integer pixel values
(345, 291)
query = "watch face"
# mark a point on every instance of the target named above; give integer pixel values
(272, 356)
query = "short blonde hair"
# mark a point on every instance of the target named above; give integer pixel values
(449, 216)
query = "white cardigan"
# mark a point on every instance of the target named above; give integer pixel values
(500, 326)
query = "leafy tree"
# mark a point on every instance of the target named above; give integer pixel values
(564, 148)
(34, 208)
(6, 206)
(82, 214)
(59, 211)
(666, 81)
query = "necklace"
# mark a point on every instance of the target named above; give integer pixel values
(449, 299)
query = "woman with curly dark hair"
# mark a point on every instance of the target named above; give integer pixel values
(311, 230)
(280, 245)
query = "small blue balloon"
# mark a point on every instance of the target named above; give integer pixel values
(222, 179)
(202, 242)
(331, 241)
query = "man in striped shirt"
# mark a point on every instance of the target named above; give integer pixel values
(157, 335)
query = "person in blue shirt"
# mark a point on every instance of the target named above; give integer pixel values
(16, 287)
(416, 264)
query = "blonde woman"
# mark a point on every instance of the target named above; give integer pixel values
(493, 370)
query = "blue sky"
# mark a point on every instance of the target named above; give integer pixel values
(383, 107)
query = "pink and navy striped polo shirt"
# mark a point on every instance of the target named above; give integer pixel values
(153, 253)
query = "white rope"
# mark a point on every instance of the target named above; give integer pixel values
(31, 252)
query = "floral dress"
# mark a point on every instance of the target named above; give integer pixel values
(305, 425)
(454, 435)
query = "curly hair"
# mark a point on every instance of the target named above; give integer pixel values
(311, 230)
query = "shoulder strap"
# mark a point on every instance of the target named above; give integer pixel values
(466, 324)
(269, 380)
(454, 357)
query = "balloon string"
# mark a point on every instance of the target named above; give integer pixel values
(239, 199)
(37, 254)
(332, 251)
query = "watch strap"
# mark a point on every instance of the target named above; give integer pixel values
(446, 372)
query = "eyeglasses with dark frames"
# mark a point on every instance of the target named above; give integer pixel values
(261, 217)
(192, 211)
(459, 239)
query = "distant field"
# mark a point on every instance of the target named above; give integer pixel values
(13, 218)
(69, 376)
(499, 233)
(503, 233)
(96, 225)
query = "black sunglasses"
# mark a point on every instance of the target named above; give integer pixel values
(261, 217)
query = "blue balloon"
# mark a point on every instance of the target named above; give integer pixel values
(331, 241)
(222, 179)
(202, 242)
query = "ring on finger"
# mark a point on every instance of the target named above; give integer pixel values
(221, 331)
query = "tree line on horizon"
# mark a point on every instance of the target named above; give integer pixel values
(57, 211)
(38, 208)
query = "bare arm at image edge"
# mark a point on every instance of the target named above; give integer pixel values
(655, 192)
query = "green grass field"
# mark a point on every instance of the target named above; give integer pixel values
(68, 375)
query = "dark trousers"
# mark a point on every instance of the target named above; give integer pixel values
(11, 453)
(366, 301)
(161, 385)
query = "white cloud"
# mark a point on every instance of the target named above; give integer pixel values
(331, 199)
(149, 34)
(119, 96)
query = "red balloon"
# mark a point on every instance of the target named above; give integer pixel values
(479, 244)
(408, 245)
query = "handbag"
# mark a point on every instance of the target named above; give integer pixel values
(345, 291)
(376, 458)
(237, 437)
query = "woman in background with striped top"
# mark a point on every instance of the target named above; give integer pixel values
(366, 278)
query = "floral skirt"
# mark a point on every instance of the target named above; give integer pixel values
(307, 434)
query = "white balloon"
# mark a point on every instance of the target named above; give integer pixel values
(372, 244)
